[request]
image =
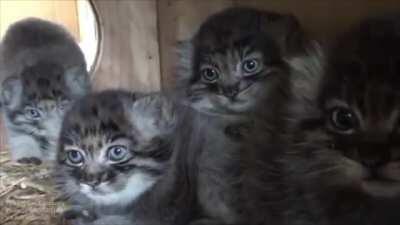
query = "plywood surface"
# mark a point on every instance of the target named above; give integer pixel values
(129, 57)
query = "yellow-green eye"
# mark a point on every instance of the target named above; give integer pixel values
(209, 75)
(251, 66)
(117, 153)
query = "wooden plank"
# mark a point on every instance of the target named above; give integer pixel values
(61, 11)
(325, 19)
(129, 58)
(178, 20)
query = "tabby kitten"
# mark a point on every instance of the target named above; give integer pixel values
(234, 56)
(116, 161)
(343, 165)
(43, 72)
(235, 60)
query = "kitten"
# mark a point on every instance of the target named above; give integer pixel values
(343, 164)
(43, 72)
(117, 161)
(235, 60)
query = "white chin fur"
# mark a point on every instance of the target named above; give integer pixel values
(136, 185)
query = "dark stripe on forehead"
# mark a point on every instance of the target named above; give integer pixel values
(160, 152)
(114, 137)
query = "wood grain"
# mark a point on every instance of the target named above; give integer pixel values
(129, 58)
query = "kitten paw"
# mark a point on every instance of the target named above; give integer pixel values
(78, 214)
(30, 160)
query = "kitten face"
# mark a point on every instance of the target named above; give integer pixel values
(106, 154)
(355, 141)
(232, 79)
(34, 107)
(236, 56)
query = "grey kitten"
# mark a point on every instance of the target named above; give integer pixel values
(118, 161)
(235, 60)
(341, 161)
(43, 72)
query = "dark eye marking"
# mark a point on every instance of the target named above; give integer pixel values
(43, 82)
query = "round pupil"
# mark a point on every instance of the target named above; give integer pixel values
(210, 74)
(344, 120)
(33, 113)
(75, 156)
(117, 151)
(250, 65)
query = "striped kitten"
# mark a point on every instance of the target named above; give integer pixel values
(44, 71)
(234, 61)
(116, 160)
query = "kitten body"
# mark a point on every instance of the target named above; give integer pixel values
(42, 71)
(148, 184)
(234, 61)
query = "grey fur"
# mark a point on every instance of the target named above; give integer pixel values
(225, 41)
(153, 124)
(39, 62)
(318, 173)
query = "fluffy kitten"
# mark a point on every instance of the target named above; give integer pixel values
(235, 60)
(43, 72)
(117, 160)
(343, 164)
(230, 62)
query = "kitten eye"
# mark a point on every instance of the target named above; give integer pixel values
(343, 119)
(32, 113)
(75, 158)
(250, 66)
(209, 75)
(117, 153)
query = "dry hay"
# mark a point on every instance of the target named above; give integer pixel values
(27, 196)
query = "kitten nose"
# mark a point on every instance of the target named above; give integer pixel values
(374, 157)
(97, 178)
(230, 91)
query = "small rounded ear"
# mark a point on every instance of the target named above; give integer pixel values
(11, 92)
(288, 33)
(77, 80)
(153, 116)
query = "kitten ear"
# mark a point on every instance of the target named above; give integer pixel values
(11, 92)
(288, 33)
(153, 116)
(307, 72)
(77, 80)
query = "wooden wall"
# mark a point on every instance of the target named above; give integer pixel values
(60, 11)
